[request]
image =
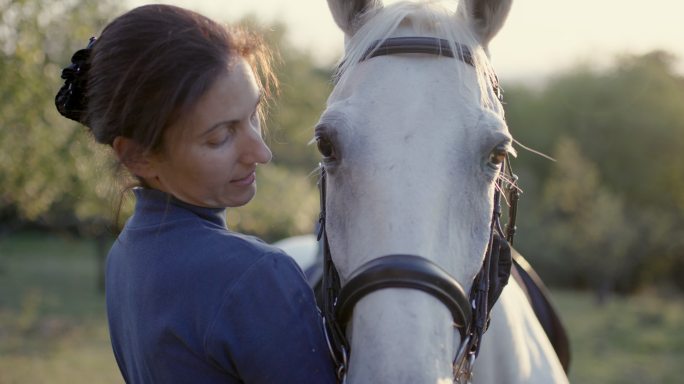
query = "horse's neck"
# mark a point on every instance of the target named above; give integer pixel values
(515, 349)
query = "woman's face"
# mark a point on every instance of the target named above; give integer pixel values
(210, 155)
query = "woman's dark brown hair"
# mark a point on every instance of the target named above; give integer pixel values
(150, 66)
(153, 63)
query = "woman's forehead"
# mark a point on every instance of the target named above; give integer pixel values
(233, 96)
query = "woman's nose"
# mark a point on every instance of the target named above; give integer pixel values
(256, 150)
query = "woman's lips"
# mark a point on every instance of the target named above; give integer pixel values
(248, 180)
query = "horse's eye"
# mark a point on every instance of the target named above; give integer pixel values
(325, 147)
(498, 155)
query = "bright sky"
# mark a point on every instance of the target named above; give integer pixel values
(539, 38)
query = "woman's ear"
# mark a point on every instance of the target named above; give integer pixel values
(134, 157)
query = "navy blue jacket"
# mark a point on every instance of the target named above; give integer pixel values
(189, 301)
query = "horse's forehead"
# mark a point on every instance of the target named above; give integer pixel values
(410, 85)
(423, 72)
(393, 133)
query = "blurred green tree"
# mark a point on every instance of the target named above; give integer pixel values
(625, 124)
(584, 221)
(50, 171)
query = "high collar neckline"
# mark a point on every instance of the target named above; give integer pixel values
(152, 202)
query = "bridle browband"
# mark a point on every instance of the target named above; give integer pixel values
(426, 45)
(470, 312)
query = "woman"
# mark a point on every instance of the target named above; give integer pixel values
(177, 96)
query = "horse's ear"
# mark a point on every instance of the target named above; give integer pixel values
(347, 13)
(488, 16)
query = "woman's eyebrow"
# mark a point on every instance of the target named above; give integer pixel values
(260, 98)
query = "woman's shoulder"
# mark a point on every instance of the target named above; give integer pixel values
(269, 310)
(233, 251)
(268, 261)
(236, 242)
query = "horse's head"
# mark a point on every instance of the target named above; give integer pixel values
(412, 146)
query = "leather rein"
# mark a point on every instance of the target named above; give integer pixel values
(470, 312)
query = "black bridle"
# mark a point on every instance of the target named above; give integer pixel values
(470, 312)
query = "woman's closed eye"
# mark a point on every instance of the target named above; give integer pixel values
(219, 136)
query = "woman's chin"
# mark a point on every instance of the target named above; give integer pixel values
(239, 200)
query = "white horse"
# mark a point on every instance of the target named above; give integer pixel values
(409, 145)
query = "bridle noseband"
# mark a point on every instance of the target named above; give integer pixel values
(470, 312)
(405, 271)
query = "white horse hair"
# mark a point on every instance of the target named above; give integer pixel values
(411, 138)
(430, 18)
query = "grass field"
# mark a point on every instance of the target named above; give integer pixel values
(53, 327)
(52, 316)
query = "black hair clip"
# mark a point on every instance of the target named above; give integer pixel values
(71, 99)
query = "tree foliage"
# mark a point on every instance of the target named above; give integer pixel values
(610, 209)
(49, 169)
(608, 214)
(587, 218)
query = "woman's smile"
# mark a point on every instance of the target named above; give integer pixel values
(247, 180)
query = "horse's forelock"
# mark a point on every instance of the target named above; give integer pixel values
(431, 18)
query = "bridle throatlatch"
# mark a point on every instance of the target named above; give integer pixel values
(470, 312)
